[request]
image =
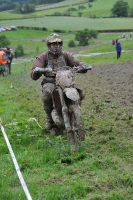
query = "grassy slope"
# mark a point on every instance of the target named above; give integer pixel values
(100, 8)
(72, 23)
(100, 169)
(31, 41)
(61, 4)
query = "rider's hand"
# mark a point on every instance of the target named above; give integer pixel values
(75, 69)
(39, 70)
(48, 69)
(43, 70)
(83, 69)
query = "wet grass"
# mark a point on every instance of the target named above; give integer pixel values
(100, 169)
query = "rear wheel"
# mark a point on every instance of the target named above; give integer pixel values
(78, 132)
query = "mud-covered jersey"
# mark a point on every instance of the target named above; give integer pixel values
(55, 61)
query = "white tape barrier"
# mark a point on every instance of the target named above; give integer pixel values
(34, 119)
(16, 164)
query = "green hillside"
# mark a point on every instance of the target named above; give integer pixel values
(73, 23)
(100, 8)
(56, 16)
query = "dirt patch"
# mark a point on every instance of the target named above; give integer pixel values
(113, 84)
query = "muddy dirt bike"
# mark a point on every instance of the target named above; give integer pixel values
(66, 112)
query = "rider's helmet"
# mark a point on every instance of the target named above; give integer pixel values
(54, 38)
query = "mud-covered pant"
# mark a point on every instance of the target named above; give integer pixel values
(47, 89)
(118, 55)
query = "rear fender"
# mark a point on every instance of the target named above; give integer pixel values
(72, 94)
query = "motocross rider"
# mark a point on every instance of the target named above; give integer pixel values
(54, 58)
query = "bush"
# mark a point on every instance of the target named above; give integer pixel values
(57, 13)
(19, 51)
(44, 29)
(72, 9)
(58, 31)
(4, 41)
(93, 33)
(71, 43)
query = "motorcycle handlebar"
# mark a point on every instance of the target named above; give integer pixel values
(78, 69)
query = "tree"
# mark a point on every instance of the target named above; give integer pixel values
(4, 42)
(84, 36)
(120, 9)
(17, 8)
(10, 4)
(131, 12)
(19, 50)
(24, 8)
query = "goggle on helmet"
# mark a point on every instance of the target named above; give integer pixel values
(52, 38)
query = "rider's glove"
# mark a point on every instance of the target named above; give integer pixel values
(83, 68)
(39, 70)
(42, 70)
(48, 69)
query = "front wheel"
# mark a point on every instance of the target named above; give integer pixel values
(77, 123)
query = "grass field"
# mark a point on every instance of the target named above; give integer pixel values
(31, 40)
(100, 8)
(102, 166)
(73, 23)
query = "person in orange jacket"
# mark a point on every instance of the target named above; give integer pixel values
(3, 60)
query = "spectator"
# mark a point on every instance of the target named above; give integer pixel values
(10, 57)
(118, 49)
(113, 42)
(3, 60)
(116, 40)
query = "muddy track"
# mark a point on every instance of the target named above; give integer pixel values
(113, 83)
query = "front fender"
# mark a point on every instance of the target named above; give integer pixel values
(72, 94)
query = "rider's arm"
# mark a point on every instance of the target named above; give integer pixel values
(72, 61)
(39, 62)
(6, 57)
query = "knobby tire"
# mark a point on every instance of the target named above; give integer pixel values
(77, 122)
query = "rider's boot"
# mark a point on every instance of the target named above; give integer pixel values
(48, 121)
(54, 131)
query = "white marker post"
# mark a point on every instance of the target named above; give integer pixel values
(15, 164)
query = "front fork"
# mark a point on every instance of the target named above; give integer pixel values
(64, 111)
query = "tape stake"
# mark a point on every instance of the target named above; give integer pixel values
(16, 164)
